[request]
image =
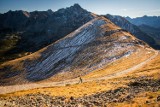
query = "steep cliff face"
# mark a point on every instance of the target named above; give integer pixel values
(95, 44)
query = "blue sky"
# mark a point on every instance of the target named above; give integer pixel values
(132, 8)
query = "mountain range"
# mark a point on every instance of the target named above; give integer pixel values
(135, 30)
(73, 57)
(153, 21)
(79, 41)
(150, 25)
(23, 33)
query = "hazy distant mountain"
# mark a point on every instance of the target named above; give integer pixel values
(150, 25)
(153, 21)
(123, 23)
(23, 31)
(151, 31)
(93, 45)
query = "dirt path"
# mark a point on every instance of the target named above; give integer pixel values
(9, 89)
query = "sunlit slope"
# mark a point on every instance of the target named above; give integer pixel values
(137, 88)
(92, 46)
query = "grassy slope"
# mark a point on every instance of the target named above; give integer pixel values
(151, 70)
(17, 65)
(89, 88)
(121, 64)
(112, 68)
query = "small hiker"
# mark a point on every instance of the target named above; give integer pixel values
(80, 79)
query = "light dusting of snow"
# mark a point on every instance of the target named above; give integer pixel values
(75, 48)
(66, 48)
(122, 38)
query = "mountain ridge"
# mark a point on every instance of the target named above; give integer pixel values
(153, 21)
(82, 59)
(90, 47)
(39, 29)
(135, 30)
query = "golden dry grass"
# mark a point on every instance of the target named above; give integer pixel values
(151, 69)
(121, 64)
(89, 88)
(76, 90)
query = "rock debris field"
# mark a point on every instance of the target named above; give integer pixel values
(119, 95)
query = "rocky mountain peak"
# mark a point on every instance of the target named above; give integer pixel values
(76, 6)
(17, 13)
(49, 26)
(50, 11)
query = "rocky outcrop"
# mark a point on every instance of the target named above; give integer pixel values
(119, 95)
